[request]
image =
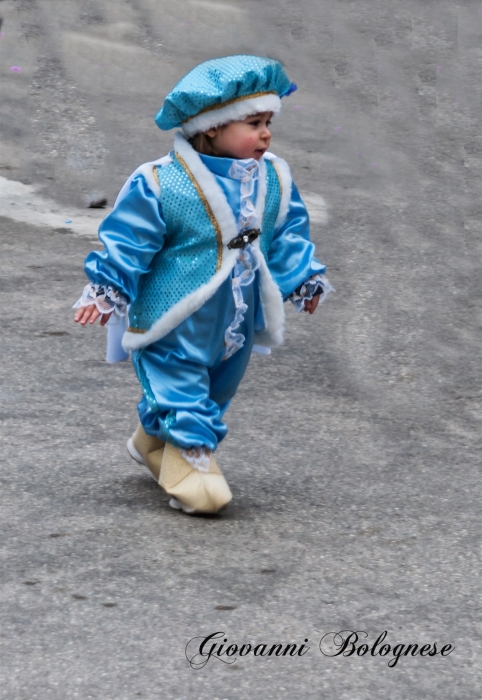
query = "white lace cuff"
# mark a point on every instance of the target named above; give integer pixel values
(316, 285)
(106, 299)
(198, 457)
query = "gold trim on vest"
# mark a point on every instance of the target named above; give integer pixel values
(131, 329)
(207, 206)
(278, 174)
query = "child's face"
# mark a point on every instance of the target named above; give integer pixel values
(248, 138)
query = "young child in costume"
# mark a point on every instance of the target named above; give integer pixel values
(203, 246)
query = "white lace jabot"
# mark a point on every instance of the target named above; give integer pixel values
(248, 172)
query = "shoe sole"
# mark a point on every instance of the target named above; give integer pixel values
(137, 457)
(134, 453)
(178, 505)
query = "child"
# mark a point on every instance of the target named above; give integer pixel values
(204, 244)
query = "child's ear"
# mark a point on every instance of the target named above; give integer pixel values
(211, 132)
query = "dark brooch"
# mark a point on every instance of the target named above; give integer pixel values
(244, 239)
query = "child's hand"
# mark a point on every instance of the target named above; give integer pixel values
(311, 304)
(90, 312)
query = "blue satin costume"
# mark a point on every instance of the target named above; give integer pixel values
(187, 384)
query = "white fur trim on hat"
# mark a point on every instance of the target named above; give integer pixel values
(235, 111)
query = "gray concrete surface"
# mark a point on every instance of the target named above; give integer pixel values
(353, 451)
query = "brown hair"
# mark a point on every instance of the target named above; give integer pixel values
(201, 143)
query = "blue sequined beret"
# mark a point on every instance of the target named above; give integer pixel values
(223, 90)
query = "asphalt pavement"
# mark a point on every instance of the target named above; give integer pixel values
(353, 451)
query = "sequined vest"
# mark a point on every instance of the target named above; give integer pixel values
(193, 249)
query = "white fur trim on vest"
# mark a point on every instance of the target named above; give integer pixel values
(212, 191)
(184, 308)
(286, 186)
(261, 196)
(270, 296)
(271, 304)
(233, 112)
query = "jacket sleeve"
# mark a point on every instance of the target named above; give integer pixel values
(132, 234)
(291, 254)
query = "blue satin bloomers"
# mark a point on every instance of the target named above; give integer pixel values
(191, 360)
(187, 383)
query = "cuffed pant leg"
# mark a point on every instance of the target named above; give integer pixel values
(177, 406)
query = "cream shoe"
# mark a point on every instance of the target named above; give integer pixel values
(193, 491)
